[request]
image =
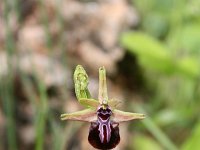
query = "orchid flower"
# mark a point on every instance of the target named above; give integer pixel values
(101, 113)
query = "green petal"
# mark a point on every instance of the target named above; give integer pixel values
(88, 115)
(89, 102)
(114, 103)
(122, 116)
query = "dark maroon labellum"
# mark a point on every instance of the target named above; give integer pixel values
(104, 134)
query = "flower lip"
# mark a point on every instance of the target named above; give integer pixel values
(104, 134)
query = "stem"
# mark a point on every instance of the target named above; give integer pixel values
(103, 95)
(7, 91)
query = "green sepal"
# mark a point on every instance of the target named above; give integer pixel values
(122, 116)
(88, 115)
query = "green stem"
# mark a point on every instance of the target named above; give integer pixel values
(7, 91)
(41, 117)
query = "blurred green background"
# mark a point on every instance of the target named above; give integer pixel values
(150, 48)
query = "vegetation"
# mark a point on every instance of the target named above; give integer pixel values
(160, 65)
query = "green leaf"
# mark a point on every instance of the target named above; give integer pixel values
(142, 142)
(188, 66)
(192, 142)
(186, 39)
(152, 54)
